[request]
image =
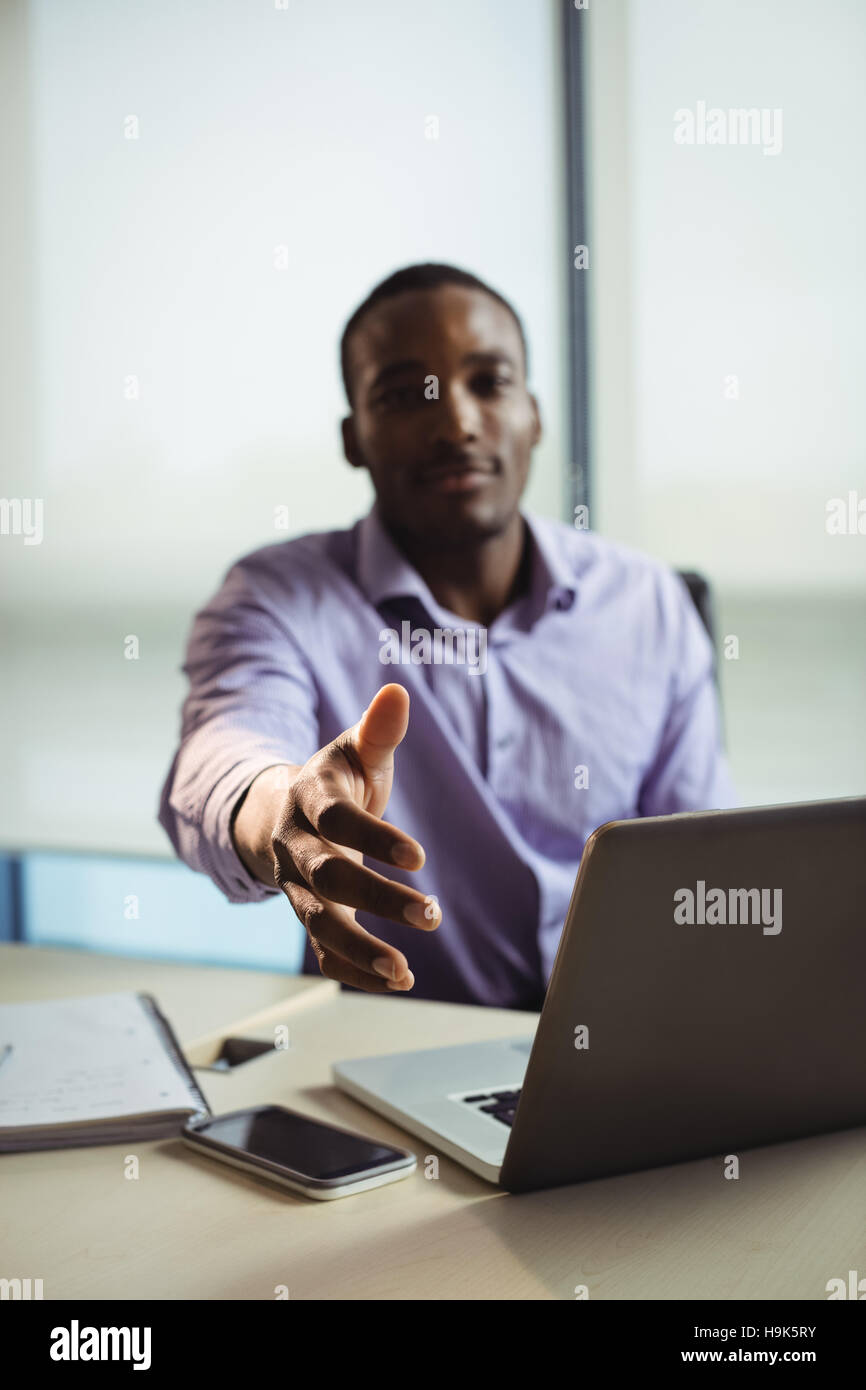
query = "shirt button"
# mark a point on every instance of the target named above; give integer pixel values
(504, 741)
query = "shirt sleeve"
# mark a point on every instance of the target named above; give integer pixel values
(251, 704)
(689, 770)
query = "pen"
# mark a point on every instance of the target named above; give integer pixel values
(5, 1051)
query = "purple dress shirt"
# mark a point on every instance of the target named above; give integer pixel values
(590, 699)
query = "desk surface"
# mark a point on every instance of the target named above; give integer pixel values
(189, 1228)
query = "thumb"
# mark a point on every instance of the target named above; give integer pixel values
(380, 729)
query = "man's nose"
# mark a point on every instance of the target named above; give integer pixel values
(456, 415)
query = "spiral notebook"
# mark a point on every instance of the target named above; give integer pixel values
(102, 1069)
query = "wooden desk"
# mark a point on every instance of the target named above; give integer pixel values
(189, 1228)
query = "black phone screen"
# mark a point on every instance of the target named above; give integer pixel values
(296, 1142)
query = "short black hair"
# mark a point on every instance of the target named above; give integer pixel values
(426, 276)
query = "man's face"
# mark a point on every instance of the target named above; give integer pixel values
(447, 469)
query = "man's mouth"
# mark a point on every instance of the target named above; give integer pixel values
(456, 477)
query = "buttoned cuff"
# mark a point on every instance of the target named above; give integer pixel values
(221, 860)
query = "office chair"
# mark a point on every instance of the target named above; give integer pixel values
(702, 598)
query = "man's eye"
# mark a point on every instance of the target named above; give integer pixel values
(490, 382)
(402, 397)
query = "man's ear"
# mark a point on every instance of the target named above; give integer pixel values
(350, 443)
(537, 430)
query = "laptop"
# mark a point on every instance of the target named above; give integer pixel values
(707, 997)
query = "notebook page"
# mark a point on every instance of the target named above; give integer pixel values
(85, 1059)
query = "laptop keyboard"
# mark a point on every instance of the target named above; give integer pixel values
(500, 1105)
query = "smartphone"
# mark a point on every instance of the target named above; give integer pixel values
(281, 1146)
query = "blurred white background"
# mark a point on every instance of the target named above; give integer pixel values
(738, 264)
(281, 168)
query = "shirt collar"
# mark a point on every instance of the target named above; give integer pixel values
(385, 573)
(383, 570)
(554, 578)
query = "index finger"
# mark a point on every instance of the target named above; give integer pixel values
(343, 822)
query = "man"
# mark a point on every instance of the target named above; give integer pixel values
(579, 687)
